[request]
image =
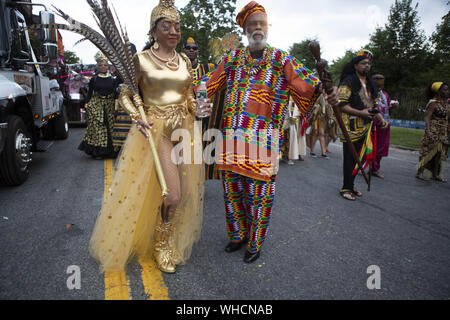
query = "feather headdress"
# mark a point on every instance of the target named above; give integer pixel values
(116, 46)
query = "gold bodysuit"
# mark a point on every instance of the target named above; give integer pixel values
(130, 213)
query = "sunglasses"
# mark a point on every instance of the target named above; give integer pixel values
(191, 48)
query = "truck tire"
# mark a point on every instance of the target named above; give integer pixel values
(61, 125)
(57, 128)
(16, 156)
(47, 131)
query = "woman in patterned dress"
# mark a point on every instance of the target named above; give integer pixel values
(100, 110)
(434, 146)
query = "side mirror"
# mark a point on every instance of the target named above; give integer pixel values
(51, 51)
(48, 35)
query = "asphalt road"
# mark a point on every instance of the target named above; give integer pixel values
(319, 245)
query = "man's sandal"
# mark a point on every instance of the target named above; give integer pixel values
(421, 176)
(348, 195)
(357, 193)
(378, 175)
(439, 179)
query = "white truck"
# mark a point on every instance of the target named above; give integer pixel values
(31, 105)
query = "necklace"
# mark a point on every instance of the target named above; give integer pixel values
(253, 66)
(170, 62)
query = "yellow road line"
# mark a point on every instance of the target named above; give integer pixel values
(153, 281)
(116, 285)
(108, 176)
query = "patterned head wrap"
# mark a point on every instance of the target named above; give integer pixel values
(190, 41)
(365, 54)
(435, 87)
(250, 9)
(165, 9)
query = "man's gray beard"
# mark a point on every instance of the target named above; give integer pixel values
(256, 45)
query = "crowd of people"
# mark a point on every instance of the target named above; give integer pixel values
(254, 88)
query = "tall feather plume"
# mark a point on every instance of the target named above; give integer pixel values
(113, 44)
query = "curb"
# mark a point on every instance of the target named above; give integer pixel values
(404, 148)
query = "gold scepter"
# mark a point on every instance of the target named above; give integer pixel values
(116, 47)
(138, 102)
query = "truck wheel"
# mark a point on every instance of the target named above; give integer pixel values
(61, 125)
(16, 156)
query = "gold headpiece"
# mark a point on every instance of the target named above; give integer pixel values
(99, 57)
(165, 9)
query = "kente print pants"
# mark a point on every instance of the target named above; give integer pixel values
(248, 207)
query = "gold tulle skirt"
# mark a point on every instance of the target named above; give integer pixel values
(130, 212)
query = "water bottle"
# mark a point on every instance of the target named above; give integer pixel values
(202, 94)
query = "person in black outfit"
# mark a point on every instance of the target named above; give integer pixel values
(358, 97)
(100, 110)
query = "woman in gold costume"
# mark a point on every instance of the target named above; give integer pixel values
(135, 219)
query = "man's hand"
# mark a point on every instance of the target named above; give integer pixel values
(383, 124)
(333, 98)
(365, 114)
(204, 108)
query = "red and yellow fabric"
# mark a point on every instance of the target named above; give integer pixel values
(251, 8)
(255, 108)
(248, 207)
(368, 150)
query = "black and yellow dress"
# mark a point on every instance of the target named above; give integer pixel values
(352, 92)
(435, 142)
(130, 216)
(100, 110)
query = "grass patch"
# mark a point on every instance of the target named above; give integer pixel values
(406, 137)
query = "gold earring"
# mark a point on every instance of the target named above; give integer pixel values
(156, 45)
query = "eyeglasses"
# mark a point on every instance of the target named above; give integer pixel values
(191, 48)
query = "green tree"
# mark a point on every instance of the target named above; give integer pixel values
(205, 20)
(70, 57)
(301, 52)
(400, 48)
(338, 65)
(441, 40)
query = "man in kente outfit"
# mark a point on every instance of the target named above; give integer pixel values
(258, 81)
(198, 69)
(358, 96)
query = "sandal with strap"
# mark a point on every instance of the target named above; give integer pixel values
(348, 195)
(439, 179)
(357, 193)
(378, 175)
(421, 176)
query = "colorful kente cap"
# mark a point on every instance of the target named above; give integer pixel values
(366, 54)
(251, 8)
(190, 41)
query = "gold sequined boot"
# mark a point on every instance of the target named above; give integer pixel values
(163, 252)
